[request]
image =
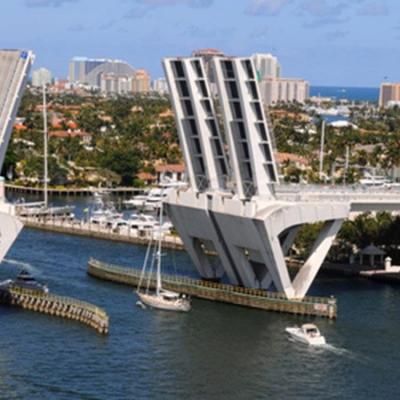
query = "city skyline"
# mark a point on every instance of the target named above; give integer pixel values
(325, 42)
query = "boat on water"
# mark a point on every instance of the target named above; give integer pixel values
(308, 334)
(372, 180)
(151, 201)
(161, 299)
(105, 215)
(26, 281)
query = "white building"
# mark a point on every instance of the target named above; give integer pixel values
(41, 76)
(160, 86)
(266, 65)
(275, 90)
(115, 84)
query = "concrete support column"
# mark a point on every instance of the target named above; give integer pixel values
(308, 272)
(289, 239)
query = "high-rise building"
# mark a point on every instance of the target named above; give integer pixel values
(160, 86)
(207, 55)
(275, 90)
(79, 68)
(89, 71)
(41, 76)
(115, 84)
(266, 65)
(389, 94)
(141, 81)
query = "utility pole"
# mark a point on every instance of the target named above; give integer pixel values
(346, 164)
(45, 149)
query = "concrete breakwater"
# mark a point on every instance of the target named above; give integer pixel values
(59, 306)
(253, 298)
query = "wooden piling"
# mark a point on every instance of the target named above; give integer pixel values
(60, 306)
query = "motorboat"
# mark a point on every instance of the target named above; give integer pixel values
(150, 201)
(101, 215)
(375, 181)
(26, 281)
(137, 201)
(139, 223)
(307, 333)
(155, 198)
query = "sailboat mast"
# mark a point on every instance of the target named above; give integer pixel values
(159, 250)
(45, 149)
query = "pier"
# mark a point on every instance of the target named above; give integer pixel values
(65, 191)
(95, 231)
(59, 306)
(247, 297)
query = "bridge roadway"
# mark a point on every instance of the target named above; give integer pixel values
(360, 198)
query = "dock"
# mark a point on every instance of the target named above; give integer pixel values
(66, 191)
(58, 306)
(252, 298)
(85, 229)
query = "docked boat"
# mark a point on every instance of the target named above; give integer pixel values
(104, 216)
(307, 333)
(150, 201)
(26, 281)
(137, 201)
(161, 299)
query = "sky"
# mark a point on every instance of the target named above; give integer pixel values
(328, 42)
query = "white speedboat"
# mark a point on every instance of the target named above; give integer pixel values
(307, 333)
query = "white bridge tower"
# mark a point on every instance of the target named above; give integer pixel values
(231, 206)
(14, 70)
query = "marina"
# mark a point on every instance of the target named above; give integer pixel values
(81, 228)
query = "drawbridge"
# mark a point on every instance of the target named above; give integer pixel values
(235, 205)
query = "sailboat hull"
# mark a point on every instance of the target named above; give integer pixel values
(161, 303)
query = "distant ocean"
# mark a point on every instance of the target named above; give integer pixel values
(350, 93)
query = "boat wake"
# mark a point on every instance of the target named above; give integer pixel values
(325, 347)
(141, 305)
(334, 349)
(20, 264)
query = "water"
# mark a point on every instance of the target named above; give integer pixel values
(217, 351)
(349, 93)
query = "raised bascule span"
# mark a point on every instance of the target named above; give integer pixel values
(234, 205)
(14, 70)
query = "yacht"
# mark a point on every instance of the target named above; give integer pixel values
(151, 200)
(137, 201)
(375, 180)
(140, 223)
(307, 333)
(104, 216)
(25, 281)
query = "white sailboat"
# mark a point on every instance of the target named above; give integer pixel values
(161, 299)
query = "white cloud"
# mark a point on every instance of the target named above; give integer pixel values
(47, 3)
(266, 7)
